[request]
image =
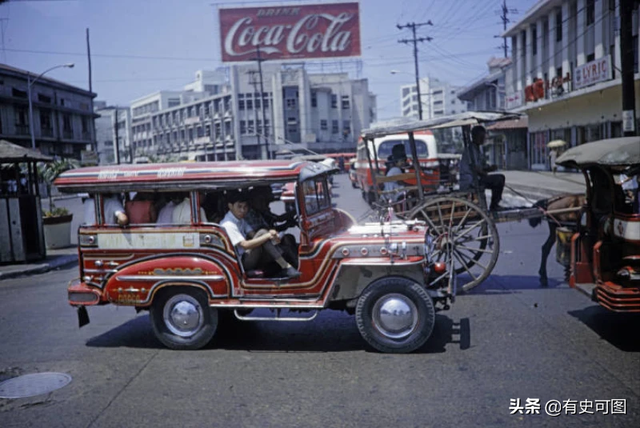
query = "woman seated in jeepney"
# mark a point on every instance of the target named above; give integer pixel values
(256, 249)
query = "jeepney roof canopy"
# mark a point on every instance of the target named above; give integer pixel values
(610, 152)
(186, 176)
(403, 125)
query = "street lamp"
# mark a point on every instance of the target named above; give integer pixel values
(417, 90)
(29, 84)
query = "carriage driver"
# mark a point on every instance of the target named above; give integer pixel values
(472, 160)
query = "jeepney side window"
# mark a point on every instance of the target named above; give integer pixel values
(316, 195)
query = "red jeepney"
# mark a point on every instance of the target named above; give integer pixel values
(188, 274)
(605, 253)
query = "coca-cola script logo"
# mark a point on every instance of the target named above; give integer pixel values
(310, 31)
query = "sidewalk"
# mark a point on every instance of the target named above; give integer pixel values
(55, 259)
(535, 185)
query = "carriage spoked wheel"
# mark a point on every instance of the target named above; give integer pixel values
(465, 238)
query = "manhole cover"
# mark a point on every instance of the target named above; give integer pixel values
(33, 384)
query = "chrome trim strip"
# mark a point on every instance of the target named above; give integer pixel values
(100, 271)
(215, 278)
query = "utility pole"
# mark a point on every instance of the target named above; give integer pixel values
(259, 59)
(505, 11)
(626, 62)
(254, 83)
(415, 41)
(94, 145)
(117, 142)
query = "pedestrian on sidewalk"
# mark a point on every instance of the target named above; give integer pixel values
(553, 155)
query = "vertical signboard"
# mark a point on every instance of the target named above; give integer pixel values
(290, 32)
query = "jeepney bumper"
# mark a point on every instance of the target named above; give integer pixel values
(617, 298)
(80, 296)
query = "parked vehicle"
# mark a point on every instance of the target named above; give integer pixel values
(605, 252)
(188, 275)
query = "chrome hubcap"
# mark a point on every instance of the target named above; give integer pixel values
(183, 315)
(395, 316)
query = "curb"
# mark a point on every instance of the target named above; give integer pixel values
(55, 263)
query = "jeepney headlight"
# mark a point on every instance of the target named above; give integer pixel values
(88, 240)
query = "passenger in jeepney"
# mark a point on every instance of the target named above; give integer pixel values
(630, 186)
(182, 211)
(113, 210)
(396, 161)
(472, 160)
(141, 209)
(165, 215)
(261, 217)
(255, 249)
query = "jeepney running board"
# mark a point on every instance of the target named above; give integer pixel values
(277, 317)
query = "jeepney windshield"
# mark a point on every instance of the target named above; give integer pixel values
(384, 151)
(316, 195)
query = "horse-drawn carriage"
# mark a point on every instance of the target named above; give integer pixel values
(464, 231)
(605, 251)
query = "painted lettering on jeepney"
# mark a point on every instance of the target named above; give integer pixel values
(108, 174)
(171, 172)
(127, 298)
(130, 173)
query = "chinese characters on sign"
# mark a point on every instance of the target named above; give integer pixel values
(532, 406)
(592, 72)
(296, 32)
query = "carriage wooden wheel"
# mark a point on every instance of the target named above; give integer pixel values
(464, 237)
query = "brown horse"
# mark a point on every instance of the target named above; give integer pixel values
(569, 219)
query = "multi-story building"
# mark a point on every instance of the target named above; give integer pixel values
(438, 99)
(113, 134)
(566, 57)
(62, 116)
(506, 141)
(320, 112)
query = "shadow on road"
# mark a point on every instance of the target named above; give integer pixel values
(620, 330)
(507, 284)
(330, 332)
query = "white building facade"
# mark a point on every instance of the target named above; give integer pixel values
(319, 112)
(566, 57)
(438, 99)
(113, 134)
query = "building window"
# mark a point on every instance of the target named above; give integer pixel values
(45, 120)
(591, 12)
(453, 102)
(249, 104)
(291, 102)
(18, 93)
(44, 99)
(346, 127)
(437, 92)
(266, 127)
(635, 53)
(534, 40)
(334, 101)
(292, 129)
(85, 124)
(207, 130)
(405, 92)
(345, 102)
(334, 126)
(438, 112)
(559, 25)
(66, 122)
(173, 102)
(323, 125)
(591, 57)
(524, 43)
(250, 128)
(314, 99)
(256, 101)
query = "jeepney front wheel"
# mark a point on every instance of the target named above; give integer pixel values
(395, 315)
(182, 319)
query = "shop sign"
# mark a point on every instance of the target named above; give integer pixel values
(328, 30)
(593, 72)
(513, 100)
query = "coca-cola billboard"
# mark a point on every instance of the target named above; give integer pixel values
(294, 32)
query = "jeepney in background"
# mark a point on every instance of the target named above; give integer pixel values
(188, 275)
(379, 150)
(605, 252)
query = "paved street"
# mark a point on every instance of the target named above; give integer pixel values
(508, 339)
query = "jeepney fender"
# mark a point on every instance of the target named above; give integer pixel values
(352, 279)
(126, 285)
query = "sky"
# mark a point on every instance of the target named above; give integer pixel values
(142, 46)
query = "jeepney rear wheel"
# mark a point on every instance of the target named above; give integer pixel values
(182, 319)
(465, 237)
(395, 315)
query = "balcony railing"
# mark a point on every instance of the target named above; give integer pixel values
(46, 132)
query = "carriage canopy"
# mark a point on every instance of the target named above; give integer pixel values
(611, 152)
